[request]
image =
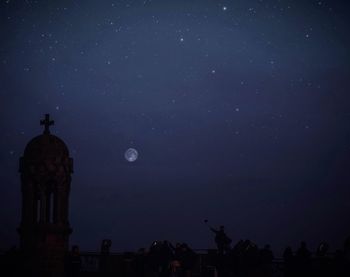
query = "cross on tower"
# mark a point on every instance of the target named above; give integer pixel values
(47, 123)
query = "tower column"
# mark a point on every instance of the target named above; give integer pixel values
(42, 207)
(44, 229)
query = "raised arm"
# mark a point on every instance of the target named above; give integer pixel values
(213, 230)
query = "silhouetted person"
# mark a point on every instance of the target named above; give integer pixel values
(187, 259)
(159, 257)
(105, 246)
(322, 263)
(235, 257)
(74, 261)
(303, 259)
(176, 264)
(250, 257)
(289, 262)
(166, 256)
(303, 253)
(104, 262)
(139, 264)
(266, 258)
(222, 240)
(266, 254)
(177, 250)
(322, 249)
(346, 258)
(339, 264)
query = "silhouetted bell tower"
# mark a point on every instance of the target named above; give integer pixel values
(45, 170)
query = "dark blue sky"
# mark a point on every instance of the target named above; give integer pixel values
(239, 111)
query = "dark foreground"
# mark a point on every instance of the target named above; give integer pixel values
(163, 259)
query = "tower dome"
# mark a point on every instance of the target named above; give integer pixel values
(46, 146)
(46, 149)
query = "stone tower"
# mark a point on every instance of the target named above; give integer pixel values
(44, 230)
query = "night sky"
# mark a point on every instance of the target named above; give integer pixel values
(239, 111)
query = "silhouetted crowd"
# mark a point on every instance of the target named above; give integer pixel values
(164, 259)
(321, 263)
(245, 258)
